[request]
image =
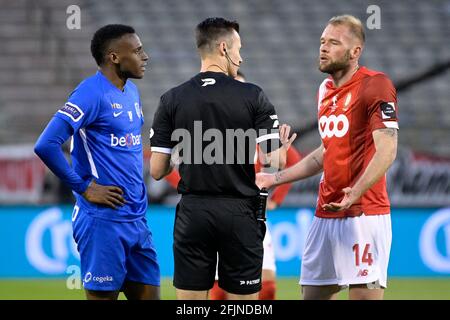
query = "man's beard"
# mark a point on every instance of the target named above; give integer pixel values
(337, 65)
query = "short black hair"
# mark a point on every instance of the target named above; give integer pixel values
(210, 30)
(103, 36)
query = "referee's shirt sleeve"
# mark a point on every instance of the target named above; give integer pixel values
(162, 128)
(266, 124)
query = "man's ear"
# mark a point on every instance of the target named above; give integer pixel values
(223, 48)
(113, 57)
(355, 53)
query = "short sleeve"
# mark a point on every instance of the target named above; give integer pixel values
(381, 101)
(266, 124)
(81, 108)
(161, 131)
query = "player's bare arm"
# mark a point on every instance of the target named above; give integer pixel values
(110, 196)
(309, 166)
(385, 141)
(160, 165)
(277, 158)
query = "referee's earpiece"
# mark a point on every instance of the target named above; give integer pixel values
(228, 57)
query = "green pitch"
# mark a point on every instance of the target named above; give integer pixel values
(399, 288)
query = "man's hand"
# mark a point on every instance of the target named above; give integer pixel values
(277, 158)
(106, 195)
(285, 130)
(349, 198)
(385, 141)
(265, 180)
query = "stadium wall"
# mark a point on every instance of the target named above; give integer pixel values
(36, 242)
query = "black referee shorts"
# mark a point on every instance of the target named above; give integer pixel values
(205, 226)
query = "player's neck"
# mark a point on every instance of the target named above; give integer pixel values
(341, 77)
(114, 78)
(212, 65)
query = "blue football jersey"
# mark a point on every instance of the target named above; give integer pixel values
(107, 143)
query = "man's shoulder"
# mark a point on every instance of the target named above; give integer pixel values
(247, 91)
(92, 80)
(247, 86)
(373, 83)
(181, 86)
(172, 93)
(241, 89)
(90, 85)
(374, 75)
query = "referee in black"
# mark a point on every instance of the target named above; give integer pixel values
(213, 122)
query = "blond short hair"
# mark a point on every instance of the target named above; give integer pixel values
(355, 25)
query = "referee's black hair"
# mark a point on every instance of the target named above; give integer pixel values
(102, 38)
(210, 30)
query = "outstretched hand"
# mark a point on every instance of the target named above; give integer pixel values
(285, 130)
(347, 201)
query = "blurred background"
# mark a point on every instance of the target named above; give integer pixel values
(45, 55)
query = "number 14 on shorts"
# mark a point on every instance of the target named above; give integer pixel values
(366, 256)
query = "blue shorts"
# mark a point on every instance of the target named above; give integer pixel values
(114, 252)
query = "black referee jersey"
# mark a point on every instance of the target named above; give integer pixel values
(214, 123)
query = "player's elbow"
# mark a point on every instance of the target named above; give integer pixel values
(159, 165)
(157, 177)
(157, 173)
(40, 148)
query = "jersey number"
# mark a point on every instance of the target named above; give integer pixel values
(366, 257)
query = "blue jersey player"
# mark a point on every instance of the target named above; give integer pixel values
(104, 117)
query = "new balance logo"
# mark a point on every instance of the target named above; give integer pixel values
(208, 82)
(362, 273)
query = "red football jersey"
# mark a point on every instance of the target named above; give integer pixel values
(347, 117)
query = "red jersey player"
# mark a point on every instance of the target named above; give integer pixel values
(350, 238)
